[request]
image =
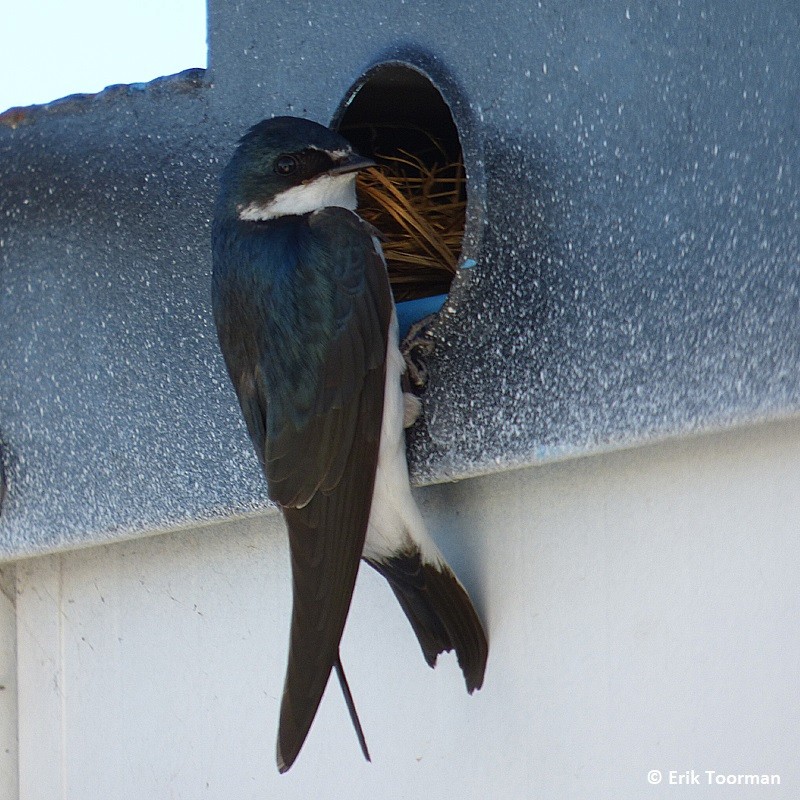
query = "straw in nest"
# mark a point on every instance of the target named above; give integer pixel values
(419, 210)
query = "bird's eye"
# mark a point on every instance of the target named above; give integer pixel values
(286, 165)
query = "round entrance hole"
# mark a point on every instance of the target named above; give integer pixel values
(417, 195)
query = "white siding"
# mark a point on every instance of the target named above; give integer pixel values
(643, 613)
(8, 685)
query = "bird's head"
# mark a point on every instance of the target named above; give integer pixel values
(287, 165)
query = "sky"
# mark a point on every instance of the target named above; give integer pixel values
(53, 48)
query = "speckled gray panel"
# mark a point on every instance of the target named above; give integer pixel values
(114, 408)
(635, 192)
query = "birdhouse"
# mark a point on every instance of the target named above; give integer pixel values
(598, 204)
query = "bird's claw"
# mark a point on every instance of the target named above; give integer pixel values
(416, 348)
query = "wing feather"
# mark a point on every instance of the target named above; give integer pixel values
(311, 391)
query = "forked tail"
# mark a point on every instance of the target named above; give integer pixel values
(440, 612)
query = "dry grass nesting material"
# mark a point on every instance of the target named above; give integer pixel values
(418, 206)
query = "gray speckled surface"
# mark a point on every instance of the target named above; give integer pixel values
(114, 408)
(635, 193)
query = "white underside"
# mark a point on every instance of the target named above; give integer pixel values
(395, 523)
(322, 192)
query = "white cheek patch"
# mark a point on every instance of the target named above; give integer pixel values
(322, 192)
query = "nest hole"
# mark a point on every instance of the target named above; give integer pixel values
(417, 195)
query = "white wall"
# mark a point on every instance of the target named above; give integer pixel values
(8, 685)
(642, 609)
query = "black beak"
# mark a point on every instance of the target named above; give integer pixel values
(351, 163)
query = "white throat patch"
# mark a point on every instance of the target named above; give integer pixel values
(322, 192)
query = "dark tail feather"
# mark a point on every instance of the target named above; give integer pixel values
(440, 612)
(351, 706)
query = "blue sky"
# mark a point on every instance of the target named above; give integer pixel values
(52, 48)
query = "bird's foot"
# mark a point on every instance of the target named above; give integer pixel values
(416, 348)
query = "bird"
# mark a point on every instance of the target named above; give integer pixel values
(308, 331)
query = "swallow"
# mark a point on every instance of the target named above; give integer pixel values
(308, 331)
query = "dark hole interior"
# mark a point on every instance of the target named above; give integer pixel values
(394, 113)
